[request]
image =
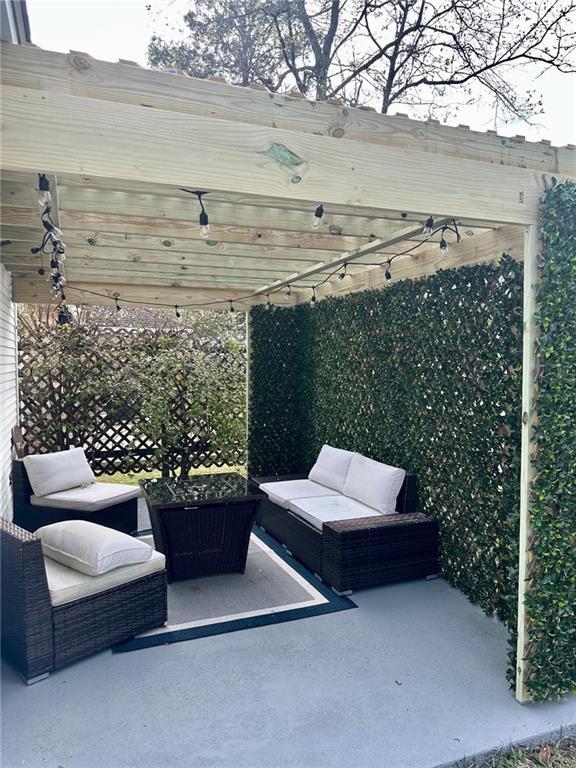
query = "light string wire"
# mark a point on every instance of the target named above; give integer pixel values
(52, 242)
(267, 293)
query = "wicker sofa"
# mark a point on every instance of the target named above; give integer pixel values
(351, 554)
(39, 637)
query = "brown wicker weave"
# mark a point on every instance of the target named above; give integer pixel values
(203, 539)
(38, 638)
(351, 554)
(122, 517)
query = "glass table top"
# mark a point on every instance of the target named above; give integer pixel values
(173, 491)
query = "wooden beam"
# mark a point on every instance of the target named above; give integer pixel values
(132, 142)
(177, 253)
(480, 249)
(184, 207)
(104, 226)
(115, 271)
(16, 186)
(527, 470)
(32, 291)
(105, 260)
(80, 74)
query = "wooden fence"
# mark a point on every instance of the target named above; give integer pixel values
(88, 386)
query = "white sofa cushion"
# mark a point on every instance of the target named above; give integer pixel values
(90, 548)
(66, 585)
(331, 467)
(284, 491)
(327, 509)
(53, 472)
(374, 484)
(91, 498)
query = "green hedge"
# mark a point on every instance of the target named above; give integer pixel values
(425, 375)
(551, 601)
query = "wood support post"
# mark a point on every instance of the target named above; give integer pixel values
(529, 367)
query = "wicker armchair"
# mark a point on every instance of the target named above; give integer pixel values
(38, 638)
(122, 517)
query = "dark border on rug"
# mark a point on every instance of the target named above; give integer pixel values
(335, 603)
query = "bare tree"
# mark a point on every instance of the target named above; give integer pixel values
(430, 55)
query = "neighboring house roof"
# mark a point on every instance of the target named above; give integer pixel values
(14, 22)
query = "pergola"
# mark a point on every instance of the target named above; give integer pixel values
(119, 143)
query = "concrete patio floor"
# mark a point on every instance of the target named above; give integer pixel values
(413, 678)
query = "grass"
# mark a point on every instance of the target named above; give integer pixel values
(132, 478)
(560, 755)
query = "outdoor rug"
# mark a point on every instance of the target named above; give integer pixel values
(274, 589)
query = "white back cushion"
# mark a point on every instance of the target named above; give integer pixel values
(91, 548)
(53, 472)
(331, 467)
(374, 484)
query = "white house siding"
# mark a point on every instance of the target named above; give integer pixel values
(8, 387)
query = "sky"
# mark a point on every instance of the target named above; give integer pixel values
(121, 29)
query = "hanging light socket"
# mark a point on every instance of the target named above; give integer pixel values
(428, 226)
(387, 273)
(203, 218)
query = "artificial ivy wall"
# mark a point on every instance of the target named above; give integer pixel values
(423, 374)
(551, 599)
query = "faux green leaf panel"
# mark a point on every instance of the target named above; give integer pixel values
(551, 601)
(425, 375)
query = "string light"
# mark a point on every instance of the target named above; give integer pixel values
(318, 213)
(178, 315)
(116, 296)
(52, 243)
(428, 226)
(203, 218)
(443, 244)
(44, 198)
(342, 274)
(340, 270)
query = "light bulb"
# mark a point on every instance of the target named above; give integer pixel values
(288, 293)
(204, 225)
(443, 246)
(56, 234)
(318, 213)
(268, 306)
(428, 226)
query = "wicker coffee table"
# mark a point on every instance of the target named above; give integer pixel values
(202, 524)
